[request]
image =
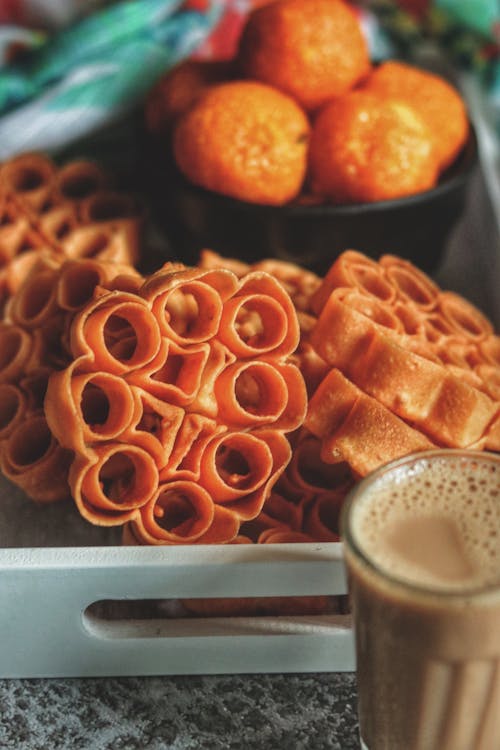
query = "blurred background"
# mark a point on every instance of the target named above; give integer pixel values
(69, 68)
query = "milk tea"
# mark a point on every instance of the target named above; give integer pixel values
(422, 548)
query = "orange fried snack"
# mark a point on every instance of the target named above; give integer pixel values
(364, 149)
(180, 512)
(13, 406)
(59, 213)
(260, 319)
(31, 458)
(79, 179)
(218, 404)
(358, 429)
(409, 363)
(423, 392)
(35, 337)
(110, 483)
(412, 287)
(246, 140)
(313, 50)
(28, 179)
(177, 401)
(322, 520)
(437, 101)
(418, 367)
(300, 283)
(210, 259)
(188, 302)
(353, 270)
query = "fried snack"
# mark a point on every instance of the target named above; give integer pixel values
(309, 476)
(223, 529)
(175, 374)
(412, 286)
(115, 333)
(245, 140)
(356, 428)
(322, 521)
(260, 319)
(278, 514)
(353, 270)
(188, 303)
(313, 50)
(429, 360)
(255, 392)
(13, 406)
(210, 259)
(31, 458)
(437, 101)
(111, 481)
(492, 437)
(201, 406)
(143, 402)
(16, 231)
(75, 413)
(300, 283)
(78, 180)
(28, 180)
(366, 149)
(464, 319)
(412, 365)
(36, 343)
(418, 390)
(21, 245)
(55, 213)
(180, 512)
(302, 286)
(16, 347)
(490, 349)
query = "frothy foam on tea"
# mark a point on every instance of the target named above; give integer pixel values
(440, 527)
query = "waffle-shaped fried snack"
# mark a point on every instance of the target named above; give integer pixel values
(412, 365)
(35, 343)
(61, 212)
(177, 402)
(392, 364)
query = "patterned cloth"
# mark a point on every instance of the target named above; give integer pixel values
(92, 72)
(71, 67)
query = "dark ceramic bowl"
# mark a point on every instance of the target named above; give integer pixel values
(415, 227)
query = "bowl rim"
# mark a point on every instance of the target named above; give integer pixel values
(453, 177)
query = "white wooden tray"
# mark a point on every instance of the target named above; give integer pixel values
(47, 630)
(53, 566)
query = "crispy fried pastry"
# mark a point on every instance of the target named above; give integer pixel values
(61, 212)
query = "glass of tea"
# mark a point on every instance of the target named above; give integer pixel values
(422, 550)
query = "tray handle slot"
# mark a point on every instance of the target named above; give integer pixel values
(168, 618)
(48, 631)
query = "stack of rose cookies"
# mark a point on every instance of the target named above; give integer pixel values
(60, 213)
(229, 403)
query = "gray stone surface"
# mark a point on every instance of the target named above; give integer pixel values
(276, 712)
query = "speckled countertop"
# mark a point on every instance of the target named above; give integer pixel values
(289, 712)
